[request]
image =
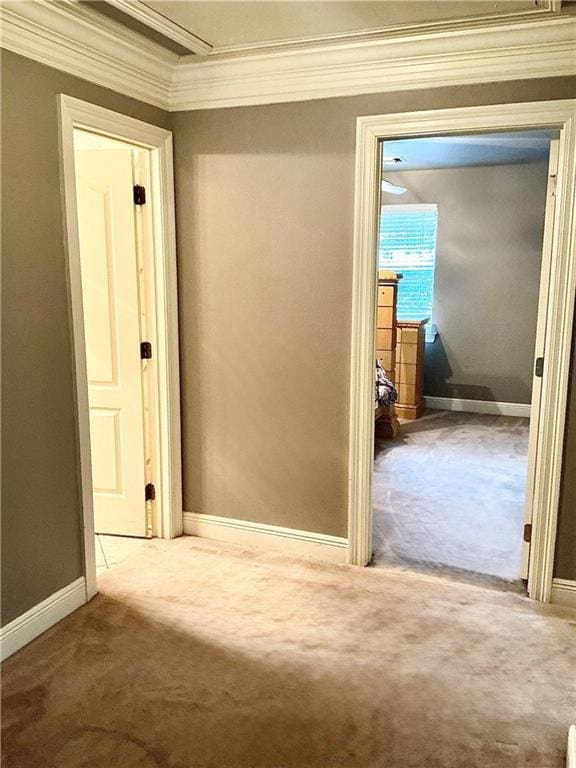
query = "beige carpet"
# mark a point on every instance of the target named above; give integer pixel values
(199, 655)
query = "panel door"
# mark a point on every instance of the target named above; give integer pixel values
(109, 264)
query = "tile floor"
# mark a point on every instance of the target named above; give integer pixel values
(111, 550)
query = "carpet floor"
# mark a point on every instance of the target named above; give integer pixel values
(203, 655)
(449, 492)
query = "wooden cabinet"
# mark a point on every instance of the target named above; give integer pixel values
(409, 362)
(387, 425)
(386, 321)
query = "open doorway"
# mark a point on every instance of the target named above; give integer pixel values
(460, 257)
(118, 194)
(554, 325)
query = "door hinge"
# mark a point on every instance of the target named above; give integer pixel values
(139, 194)
(553, 184)
(149, 492)
(528, 532)
(145, 350)
(539, 367)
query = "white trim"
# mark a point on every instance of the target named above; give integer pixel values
(494, 52)
(41, 617)
(269, 537)
(558, 317)
(540, 345)
(78, 40)
(563, 593)
(79, 114)
(571, 748)
(556, 352)
(162, 24)
(363, 346)
(478, 406)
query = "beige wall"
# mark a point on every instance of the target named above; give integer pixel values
(265, 219)
(487, 278)
(41, 534)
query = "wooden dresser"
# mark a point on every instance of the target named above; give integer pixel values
(409, 362)
(387, 425)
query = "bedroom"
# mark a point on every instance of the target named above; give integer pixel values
(462, 227)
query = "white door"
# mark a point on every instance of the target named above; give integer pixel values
(535, 424)
(109, 265)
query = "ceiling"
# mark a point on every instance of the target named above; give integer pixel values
(235, 25)
(130, 47)
(470, 150)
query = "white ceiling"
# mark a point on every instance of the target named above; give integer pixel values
(472, 150)
(231, 23)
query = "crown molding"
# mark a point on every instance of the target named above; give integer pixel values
(76, 39)
(83, 43)
(157, 21)
(489, 53)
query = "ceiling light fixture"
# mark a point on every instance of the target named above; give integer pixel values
(388, 186)
(392, 189)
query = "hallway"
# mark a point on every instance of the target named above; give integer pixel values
(202, 654)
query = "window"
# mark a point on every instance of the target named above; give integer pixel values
(407, 244)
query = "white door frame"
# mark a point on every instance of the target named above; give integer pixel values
(74, 113)
(559, 315)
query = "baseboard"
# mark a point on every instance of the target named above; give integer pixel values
(563, 593)
(41, 617)
(270, 537)
(571, 751)
(478, 406)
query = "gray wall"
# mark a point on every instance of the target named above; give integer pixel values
(489, 248)
(41, 534)
(264, 222)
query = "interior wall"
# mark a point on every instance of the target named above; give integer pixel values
(265, 223)
(487, 277)
(41, 520)
(265, 217)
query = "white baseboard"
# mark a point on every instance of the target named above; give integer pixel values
(270, 537)
(571, 751)
(478, 406)
(41, 617)
(563, 593)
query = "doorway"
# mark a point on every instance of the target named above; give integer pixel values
(118, 296)
(116, 246)
(462, 241)
(554, 317)
(118, 200)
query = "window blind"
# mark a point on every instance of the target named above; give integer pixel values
(407, 244)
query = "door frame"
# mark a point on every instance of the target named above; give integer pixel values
(371, 130)
(73, 114)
